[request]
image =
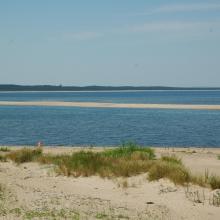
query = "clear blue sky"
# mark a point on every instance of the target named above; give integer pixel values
(110, 42)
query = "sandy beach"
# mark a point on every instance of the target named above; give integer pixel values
(109, 105)
(32, 189)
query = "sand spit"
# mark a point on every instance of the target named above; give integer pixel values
(109, 105)
(36, 191)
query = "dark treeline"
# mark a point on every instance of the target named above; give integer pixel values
(95, 88)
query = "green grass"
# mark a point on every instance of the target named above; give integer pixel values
(102, 163)
(1, 191)
(177, 173)
(124, 161)
(218, 157)
(130, 150)
(24, 155)
(52, 214)
(101, 216)
(171, 159)
(3, 158)
(4, 149)
(214, 182)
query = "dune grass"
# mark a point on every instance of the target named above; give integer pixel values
(214, 182)
(24, 155)
(177, 173)
(172, 159)
(4, 149)
(124, 161)
(1, 191)
(3, 158)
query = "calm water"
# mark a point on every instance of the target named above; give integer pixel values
(171, 97)
(97, 126)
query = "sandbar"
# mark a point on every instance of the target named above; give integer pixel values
(109, 105)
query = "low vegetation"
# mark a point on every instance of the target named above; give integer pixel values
(124, 161)
(4, 149)
(3, 158)
(25, 155)
(1, 191)
(170, 170)
(214, 182)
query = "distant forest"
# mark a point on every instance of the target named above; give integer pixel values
(94, 88)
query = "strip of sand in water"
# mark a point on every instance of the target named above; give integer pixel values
(109, 105)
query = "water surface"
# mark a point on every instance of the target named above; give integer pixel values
(25, 125)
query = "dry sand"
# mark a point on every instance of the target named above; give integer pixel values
(109, 105)
(34, 188)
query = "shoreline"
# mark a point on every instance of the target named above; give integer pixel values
(106, 147)
(110, 105)
(126, 90)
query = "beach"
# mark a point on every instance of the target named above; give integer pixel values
(34, 190)
(109, 105)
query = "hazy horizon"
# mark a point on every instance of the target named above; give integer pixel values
(117, 43)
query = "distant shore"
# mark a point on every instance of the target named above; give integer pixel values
(15, 88)
(109, 105)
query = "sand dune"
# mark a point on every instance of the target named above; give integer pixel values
(109, 105)
(36, 190)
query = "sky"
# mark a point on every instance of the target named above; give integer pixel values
(110, 42)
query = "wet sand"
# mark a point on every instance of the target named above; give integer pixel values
(109, 105)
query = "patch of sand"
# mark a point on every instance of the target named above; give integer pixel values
(37, 187)
(109, 105)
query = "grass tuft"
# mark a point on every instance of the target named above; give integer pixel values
(24, 155)
(214, 182)
(129, 150)
(3, 158)
(175, 172)
(172, 159)
(4, 149)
